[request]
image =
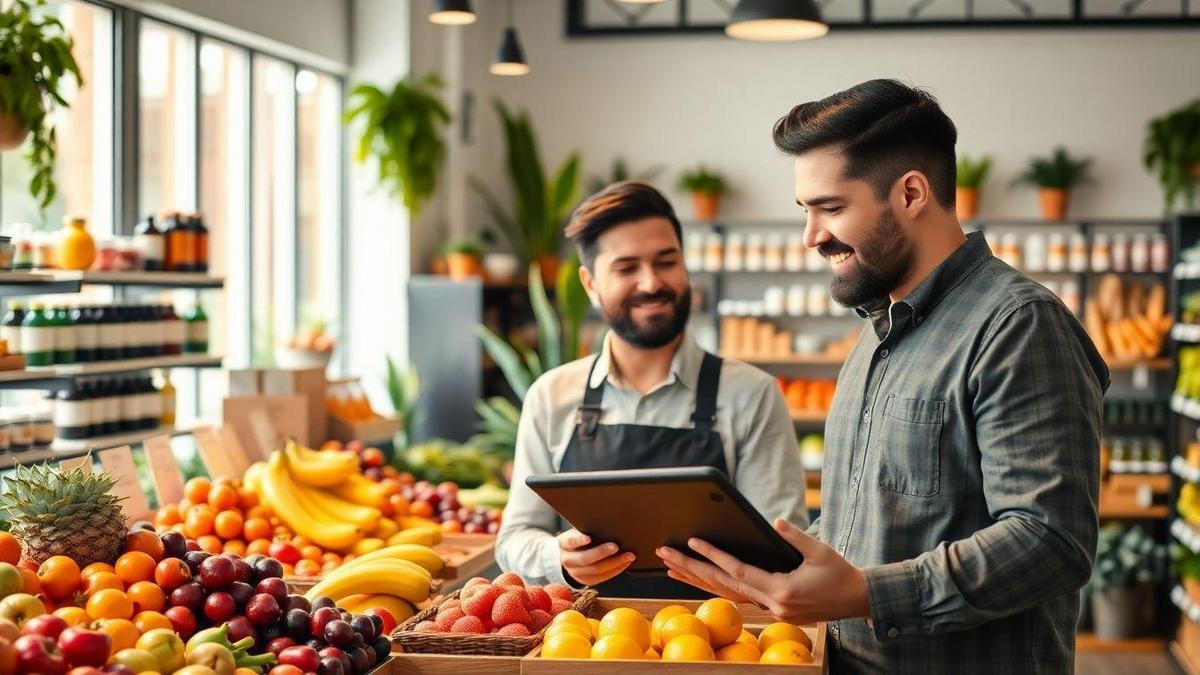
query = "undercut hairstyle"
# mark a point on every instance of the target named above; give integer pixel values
(619, 203)
(884, 129)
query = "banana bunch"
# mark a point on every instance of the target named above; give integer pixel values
(283, 495)
(402, 610)
(320, 468)
(402, 573)
(360, 490)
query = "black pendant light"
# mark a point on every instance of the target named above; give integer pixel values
(510, 58)
(776, 21)
(452, 12)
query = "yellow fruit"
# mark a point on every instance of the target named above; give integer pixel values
(787, 652)
(661, 618)
(581, 629)
(594, 624)
(739, 652)
(652, 655)
(628, 622)
(723, 620)
(688, 648)
(682, 624)
(566, 645)
(76, 248)
(617, 646)
(781, 631)
(569, 616)
(748, 638)
(365, 546)
(385, 528)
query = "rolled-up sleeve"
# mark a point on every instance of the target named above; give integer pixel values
(769, 471)
(1037, 390)
(526, 543)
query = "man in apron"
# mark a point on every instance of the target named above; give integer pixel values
(652, 398)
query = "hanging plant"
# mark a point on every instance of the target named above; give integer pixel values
(35, 57)
(1172, 152)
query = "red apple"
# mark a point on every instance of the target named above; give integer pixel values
(321, 617)
(304, 658)
(39, 654)
(85, 647)
(46, 625)
(284, 552)
(279, 644)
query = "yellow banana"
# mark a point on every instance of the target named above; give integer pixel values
(338, 510)
(400, 609)
(427, 558)
(252, 478)
(386, 528)
(360, 490)
(323, 471)
(365, 546)
(416, 535)
(389, 577)
(278, 492)
(416, 523)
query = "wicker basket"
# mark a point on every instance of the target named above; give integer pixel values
(479, 645)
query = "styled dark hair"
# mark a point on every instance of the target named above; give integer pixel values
(619, 203)
(884, 128)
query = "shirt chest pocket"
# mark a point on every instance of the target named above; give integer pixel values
(909, 433)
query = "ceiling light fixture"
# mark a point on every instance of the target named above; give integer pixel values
(510, 58)
(452, 12)
(776, 21)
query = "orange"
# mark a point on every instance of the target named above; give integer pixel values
(59, 576)
(168, 515)
(308, 568)
(210, 544)
(451, 526)
(260, 546)
(787, 652)
(739, 652)
(682, 624)
(723, 620)
(32, 585)
(594, 625)
(781, 631)
(288, 570)
(10, 549)
(312, 553)
(256, 528)
(420, 509)
(300, 542)
(146, 542)
(122, 632)
(199, 520)
(223, 480)
(236, 546)
(282, 531)
(330, 566)
(566, 645)
(399, 504)
(618, 647)
(688, 648)
(748, 638)
(222, 497)
(100, 581)
(196, 490)
(628, 622)
(247, 498)
(147, 597)
(228, 524)
(96, 567)
(331, 557)
(259, 512)
(109, 604)
(660, 618)
(184, 505)
(74, 616)
(148, 621)
(135, 566)
(390, 486)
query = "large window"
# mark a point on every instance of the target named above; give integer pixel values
(319, 204)
(166, 119)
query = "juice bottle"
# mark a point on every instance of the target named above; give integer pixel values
(37, 337)
(167, 394)
(196, 341)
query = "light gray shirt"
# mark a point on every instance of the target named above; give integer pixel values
(752, 420)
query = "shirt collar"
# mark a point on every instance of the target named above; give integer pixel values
(685, 365)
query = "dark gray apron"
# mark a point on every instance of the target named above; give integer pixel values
(610, 447)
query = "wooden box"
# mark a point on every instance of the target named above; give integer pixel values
(288, 419)
(466, 555)
(455, 664)
(309, 383)
(375, 431)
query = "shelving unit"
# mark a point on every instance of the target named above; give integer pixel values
(56, 377)
(52, 282)
(71, 449)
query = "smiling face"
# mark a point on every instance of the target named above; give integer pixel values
(639, 282)
(866, 245)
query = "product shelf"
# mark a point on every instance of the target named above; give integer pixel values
(48, 282)
(808, 416)
(1088, 642)
(56, 377)
(72, 449)
(790, 359)
(1181, 468)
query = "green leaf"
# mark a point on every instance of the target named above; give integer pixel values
(573, 305)
(507, 359)
(549, 334)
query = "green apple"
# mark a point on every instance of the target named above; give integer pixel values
(140, 660)
(21, 607)
(166, 648)
(10, 580)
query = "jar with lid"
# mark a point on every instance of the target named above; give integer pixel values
(1139, 254)
(796, 300)
(714, 252)
(108, 255)
(22, 247)
(774, 301)
(1035, 252)
(42, 422)
(1120, 252)
(793, 259)
(814, 261)
(72, 415)
(755, 252)
(1056, 253)
(7, 252)
(694, 253)
(21, 436)
(735, 252)
(773, 255)
(1070, 295)
(44, 251)
(1010, 249)
(128, 256)
(1160, 253)
(1101, 252)
(1077, 256)
(818, 300)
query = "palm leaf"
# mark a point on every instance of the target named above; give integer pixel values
(508, 361)
(549, 334)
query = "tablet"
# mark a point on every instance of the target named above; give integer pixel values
(642, 509)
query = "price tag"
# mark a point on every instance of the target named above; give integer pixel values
(83, 464)
(164, 469)
(215, 459)
(119, 462)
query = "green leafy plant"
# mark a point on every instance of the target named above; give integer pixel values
(403, 131)
(464, 246)
(35, 61)
(1184, 562)
(404, 390)
(1172, 152)
(1125, 557)
(702, 181)
(1059, 170)
(541, 203)
(971, 173)
(618, 172)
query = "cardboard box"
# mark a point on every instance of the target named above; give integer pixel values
(245, 382)
(288, 416)
(309, 383)
(375, 431)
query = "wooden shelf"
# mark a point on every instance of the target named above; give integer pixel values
(1149, 512)
(790, 360)
(71, 449)
(1088, 642)
(59, 376)
(808, 416)
(1133, 364)
(51, 281)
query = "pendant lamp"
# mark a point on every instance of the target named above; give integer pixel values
(452, 12)
(510, 57)
(776, 21)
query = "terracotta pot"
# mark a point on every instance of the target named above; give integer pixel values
(705, 205)
(463, 266)
(549, 263)
(438, 266)
(12, 132)
(1192, 586)
(1053, 202)
(966, 202)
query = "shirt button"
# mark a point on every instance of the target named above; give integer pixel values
(854, 482)
(892, 632)
(833, 628)
(883, 353)
(867, 414)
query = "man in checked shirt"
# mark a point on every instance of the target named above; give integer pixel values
(961, 479)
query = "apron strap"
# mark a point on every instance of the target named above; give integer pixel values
(706, 399)
(589, 411)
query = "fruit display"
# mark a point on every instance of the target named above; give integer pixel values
(714, 632)
(395, 578)
(807, 396)
(505, 606)
(444, 503)
(1127, 319)
(371, 459)
(441, 461)
(349, 403)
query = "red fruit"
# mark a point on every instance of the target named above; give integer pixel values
(514, 630)
(85, 647)
(468, 624)
(273, 587)
(510, 608)
(389, 621)
(558, 605)
(539, 619)
(240, 628)
(472, 586)
(46, 625)
(480, 604)
(219, 607)
(263, 610)
(285, 670)
(183, 621)
(558, 591)
(427, 627)
(171, 573)
(279, 644)
(39, 654)
(446, 618)
(190, 595)
(538, 599)
(321, 617)
(372, 458)
(284, 552)
(303, 657)
(84, 670)
(509, 579)
(217, 573)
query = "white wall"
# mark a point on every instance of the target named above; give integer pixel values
(684, 99)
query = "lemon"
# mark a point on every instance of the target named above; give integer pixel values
(739, 652)
(780, 631)
(569, 616)
(661, 618)
(682, 624)
(580, 629)
(566, 645)
(617, 647)
(787, 652)
(688, 648)
(723, 620)
(594, 625)
(628, 622)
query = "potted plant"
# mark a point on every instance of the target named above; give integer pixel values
(968, 179)
(498, 265)
(1186, 564)
(35, 62)
(403, 132)
(618, 172)
(1054, 176)
(541, 203)
(1172, 152)
(706, 188)
(1128, 561)
(463, 260)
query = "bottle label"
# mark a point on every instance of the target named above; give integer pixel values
(64, 339)
(112, 335)
(112, 409)
(12, 334)
(131, 407)
(197, 332)
(150, 246)
(72, 414)
(175, 332)
(152, 405)
(37, 340)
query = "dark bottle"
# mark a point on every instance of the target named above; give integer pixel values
(131, 414)
(64, 336)
(110, 403)
(200, 240)
(174, 332)
(197, 331)
(87, 334)
(72, 414)
(167, 224)
(37, 336)
(10, 328)
(108, 343)
(150, 243)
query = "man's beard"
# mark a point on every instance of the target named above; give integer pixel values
(892, 254)
(659, 331)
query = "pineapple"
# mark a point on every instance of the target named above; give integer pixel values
(69, 513)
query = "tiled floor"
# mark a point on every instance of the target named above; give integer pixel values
(1096, 663)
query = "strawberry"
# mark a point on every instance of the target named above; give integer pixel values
(468, 624)
(452, 602)
(513, 630)
(559, 591)
(539, 619)
(509, 579)
(537, 598)
(446, 618)
(558, 605)
(510, 608)
(428, 627)
(480, 603)
(470, 587)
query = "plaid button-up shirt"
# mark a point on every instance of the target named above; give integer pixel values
(962, 473)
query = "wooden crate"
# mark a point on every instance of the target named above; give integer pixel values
(466, 555)
(754, 620)
(452, 664)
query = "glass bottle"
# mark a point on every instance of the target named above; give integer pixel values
(151, 406)
(131, 404)
(72, 415)
(174, 334)
(112, 407)
(109, 345)
(150, 242)
(197, 331)
(37, 337)
(87, 335)
(181, 243)
(167, 395)
(22, 247)
(64, 336)
(200, 241)
(10, 328)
